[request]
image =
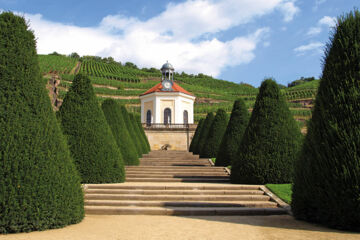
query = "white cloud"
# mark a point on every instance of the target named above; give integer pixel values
(324, 21)
(314, 47)
(183, 34)
(317, 4)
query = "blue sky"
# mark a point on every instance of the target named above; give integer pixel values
(235, 40)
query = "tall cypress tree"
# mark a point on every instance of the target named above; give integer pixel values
(133, 135)
(40, 187)
(90, 139)
(116, 122)
(142, 131)
(215, 135)
(327, 174)
(195, 140)
(204, 132)
(270, 143)
(234, 132)
(140, 138)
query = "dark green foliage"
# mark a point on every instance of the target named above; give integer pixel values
(216, 133)
(139, 136)
(116, 122)
(327, 174)
(271, 141)
(204, 132)
(234, 132)
(90, 139)
(195, 139)
(39, 185)
(130, 127)
(143, 134)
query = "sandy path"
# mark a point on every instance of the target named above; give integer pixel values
(186, 228)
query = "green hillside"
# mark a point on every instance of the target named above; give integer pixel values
(125, 82)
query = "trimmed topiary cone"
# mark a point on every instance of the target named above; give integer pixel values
(195, 139)
(40, 187)
(204, 132)
(271, 141)
(138, 133)
(326, 186)
(142, 131)
(229, 146)
(130, 127)
(116, 122)
(90, 139)
(216, 133)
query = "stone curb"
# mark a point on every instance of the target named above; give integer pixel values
(276, 199)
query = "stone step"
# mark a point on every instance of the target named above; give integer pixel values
(182, 173)
(175, 160)
(175, 164)
(182, 211)
(173, 187)
(175, 192)
(262, 204)
(175, 168)
(192, 180)
(140, 197)
(145, 169)
(175, 175)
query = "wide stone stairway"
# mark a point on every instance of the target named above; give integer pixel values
(179, 183)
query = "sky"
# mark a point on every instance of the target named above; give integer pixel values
(235, 40)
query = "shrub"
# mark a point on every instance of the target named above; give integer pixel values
(147, 144)
(234, 132)
(91, 142)
(327, 174)
(195, 139)
(270, 143)
(133, 135)
(116, 122)
(204, 132)
(40, 187)
(139, 136)
(215, 135)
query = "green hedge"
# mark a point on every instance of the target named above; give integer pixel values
(90, 139)
(139, 136)
(142, 131)
(135, 138)
(270, 143)
(327, 177)
(120, 131)
(40, 187)
(195, 139)
(204, 132)
(234, 132)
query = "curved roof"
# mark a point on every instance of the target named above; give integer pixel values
(167, 65)
(158, 87)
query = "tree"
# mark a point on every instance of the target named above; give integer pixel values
(143, 133)
(204, 132)
(270, 143)
(215, 135)
(195, 139)
(116, 122)
(234, 132)
(135, 139)
(91, 142)
(40, 187)
(139, 137)
(75, 55)
(326, 186)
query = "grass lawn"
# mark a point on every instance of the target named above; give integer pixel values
(283, 191)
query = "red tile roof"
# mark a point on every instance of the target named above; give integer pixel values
(158, 87)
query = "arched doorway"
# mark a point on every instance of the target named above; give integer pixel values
(167, 116)
(148, 117)
(186, 117)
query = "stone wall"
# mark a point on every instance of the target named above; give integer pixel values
(178, 139)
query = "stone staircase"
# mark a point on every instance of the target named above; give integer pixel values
(178, 183)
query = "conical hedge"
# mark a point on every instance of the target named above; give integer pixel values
(116, 122)
(327, 174)
(142, 131)
(204, 132)
(133, 135)
(216, 133)
(39, 185)
(138, 133)
(195, 139)
(271, 141)
(90, 139)
(234, 132)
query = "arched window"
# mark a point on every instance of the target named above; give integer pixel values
(148, 117)
(167, 116)
(186, 117)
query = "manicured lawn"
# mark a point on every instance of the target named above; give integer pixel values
(283, 191)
